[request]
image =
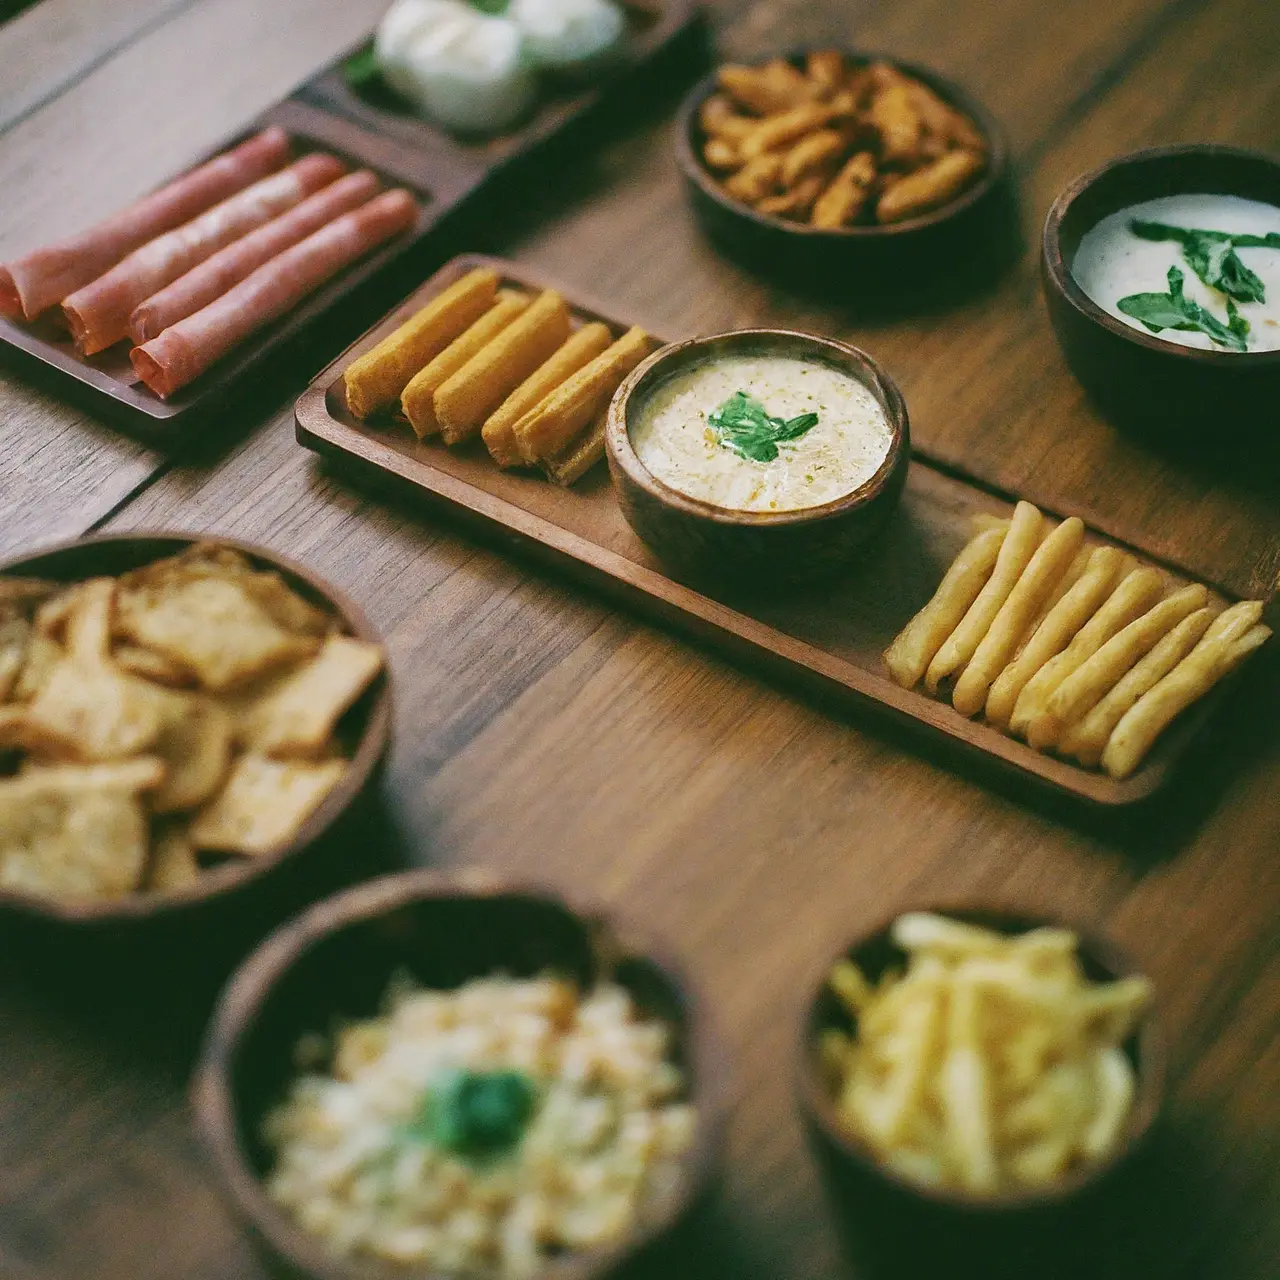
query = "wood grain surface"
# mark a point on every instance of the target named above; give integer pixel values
(544, 733)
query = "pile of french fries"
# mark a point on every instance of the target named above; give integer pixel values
(1076, 649)
(990, 1064)
(480, 360)
(837, 144)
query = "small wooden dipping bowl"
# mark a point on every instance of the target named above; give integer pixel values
(754, 548)
(1212, 399)
(335, 962)
(885, 1212)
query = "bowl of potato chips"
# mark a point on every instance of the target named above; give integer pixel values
(979, 1063)
(831, 159)
(178, 718)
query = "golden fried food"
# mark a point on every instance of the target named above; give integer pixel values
(580, 456)
(777, 86)
(938, 183)
(848, 193)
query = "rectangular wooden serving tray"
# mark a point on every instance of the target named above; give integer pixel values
(442, 171)
(828, 641)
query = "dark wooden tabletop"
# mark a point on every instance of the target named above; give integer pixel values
(544, 734)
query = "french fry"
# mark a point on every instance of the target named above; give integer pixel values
(755, 180)
(719, 153)
(915, 646)
(499, 438)
(468, 397)
(847, 196)
(550, 428)
(776, 86)
(1050, 561)
(1114, 1084)
(1137, 592)
(1086, 739)
(719, 119)
(825, 69)
(944, 121)
(1016, 551)
(574, 462)
(418, 398)
(815, 152)
(798, 201)
(775, 132)
(1217, 654)
(930, 187)
(375, 380)
(894, 118)
(965, 1092)
(1075, 571)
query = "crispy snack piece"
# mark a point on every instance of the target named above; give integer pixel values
(847, 196)
(21, 595)
(825, 69)
(298, 716)
(1220, 652)
(464, 402)
(928, 188)
(797, 202)
(43, 655)
(1086, 686)
(893, 116)
(570, 466)
(550, 428)
(151, 666)
(778, 131)
(1137, 592)
(375, 380)
(15, 641)
(418, 399)
(915, 646)
(263, 804)
(815, 153)
(1086, 739)
(1050, 561)
(720, 153)
(1016, 551)
(498, 433)
(195, 744)
(211, 626)
(141, 773)
(776, 86)
(719, 118)
(173, 860)
(1060, 625)
(756, 179)
(942, 121)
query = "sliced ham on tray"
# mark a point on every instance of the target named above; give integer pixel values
(213, 277)
(98, 315)
(34, 283)
(185, 350)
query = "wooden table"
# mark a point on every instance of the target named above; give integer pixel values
(543, 734)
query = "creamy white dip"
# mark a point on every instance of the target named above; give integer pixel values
(1112, 263)
(842, 451)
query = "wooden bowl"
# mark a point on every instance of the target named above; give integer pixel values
(367, 725)
(335, 962)
(851, 257)
(1140, 380)
(892, 1214)
(701, 540)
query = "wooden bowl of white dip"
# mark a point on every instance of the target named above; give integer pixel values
(763, 457)
(1102, 277)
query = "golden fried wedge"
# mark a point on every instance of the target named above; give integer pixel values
(464, 402)
(755, 180)
(847, 196)
(721, 154)
(774, 87)
(552, 427)
(583, 454)
(375, 380)
(797, 202)
(930, 187)
(195, 745)
(719, 119)
(774, 133)
(498, 431)
(893, 115)
(417, 401)
(814, 153)
(915, 646)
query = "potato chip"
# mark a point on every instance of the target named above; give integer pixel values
(195, 744)
(42, 656)
(298, 716)
(263, 804)
(142, 773)
(15, 640)
(151, 665)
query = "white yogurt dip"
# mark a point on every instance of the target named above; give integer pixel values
(841, 451)
(1112, 263)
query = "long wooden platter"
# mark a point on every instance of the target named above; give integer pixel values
(370, 131)
(827, 641)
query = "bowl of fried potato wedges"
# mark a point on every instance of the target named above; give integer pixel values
(981, 1070)
(179, 719)
(832, 159)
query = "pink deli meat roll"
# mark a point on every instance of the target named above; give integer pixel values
(32, 284)
(213, 277)
(185, 350)
(98, 315)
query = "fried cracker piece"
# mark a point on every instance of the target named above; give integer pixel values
(173, 859)
(151, 665)
(51, 617)
(297, 718)
(213, 627)
(195, 744)
(43, 655)
(19, 596)
(263, 804)
(573, 463)
(15, 640)
(142, 773)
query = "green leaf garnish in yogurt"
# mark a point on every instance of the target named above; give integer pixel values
(1174, 310)
(475, 1114)
(1212, 256)
(743, 426)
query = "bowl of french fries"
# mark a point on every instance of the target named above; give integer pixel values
(836, 158)
(980, 1062)
(180, 719)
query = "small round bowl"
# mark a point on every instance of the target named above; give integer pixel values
(889, 1213)
(335, 962)
(858, 255)
(222, 890)
(1138, 379)
(701, 540)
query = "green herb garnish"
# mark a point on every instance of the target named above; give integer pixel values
(1212, 256)
(742, 425)
(495, 7)
(476, 1114)
(1174, 310)
(361, 69)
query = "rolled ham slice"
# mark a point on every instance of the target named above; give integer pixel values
(185, 350)
(30, 285)
(98, 315)
(212, 278)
